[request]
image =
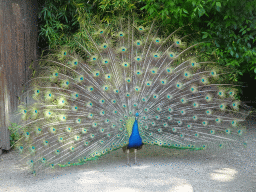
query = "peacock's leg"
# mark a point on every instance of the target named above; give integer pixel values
(136, 163)
(128, 151)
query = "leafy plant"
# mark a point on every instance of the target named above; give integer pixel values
(14, 133)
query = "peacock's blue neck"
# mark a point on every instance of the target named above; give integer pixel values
(135, 140)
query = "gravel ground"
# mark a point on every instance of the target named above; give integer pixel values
(160, 169)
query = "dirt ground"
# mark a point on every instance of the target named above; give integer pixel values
(160, 169)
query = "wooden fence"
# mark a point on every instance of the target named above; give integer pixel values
(18, 51)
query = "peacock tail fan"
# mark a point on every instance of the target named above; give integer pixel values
(86, 98)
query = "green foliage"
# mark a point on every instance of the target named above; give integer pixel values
(14, 133)
(58, 20)
(234, 32)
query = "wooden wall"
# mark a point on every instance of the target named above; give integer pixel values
(18, 50)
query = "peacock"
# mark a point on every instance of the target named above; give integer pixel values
(127, 85)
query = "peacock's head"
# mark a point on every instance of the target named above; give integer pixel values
(137, 116)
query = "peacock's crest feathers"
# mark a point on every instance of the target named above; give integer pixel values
(86, 99)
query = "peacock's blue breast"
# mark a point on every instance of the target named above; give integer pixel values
(135, 139)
